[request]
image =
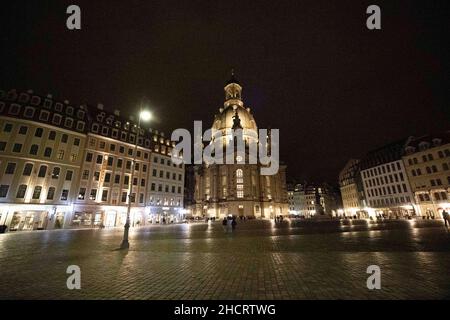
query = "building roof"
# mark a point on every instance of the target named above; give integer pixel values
(424, 142)
(385, 154)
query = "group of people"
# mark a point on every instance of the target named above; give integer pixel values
(227, 223)
(278, 219)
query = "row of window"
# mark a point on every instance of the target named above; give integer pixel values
(432, 169)
(28, 168)
(379, 180)
(438, 196)
(168, 162)
(110, 162)
(382, 170)
(112, 148)
(36, 100)
(389, 201)
(22, 189)
(38, 132)
(161, 175)
(429, 157)
(34, 149)
(438, 182)
(104, 196)
(166, 189)
(387, 190)
(44, 115)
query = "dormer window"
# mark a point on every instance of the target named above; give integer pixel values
(410, 150)
(14, 109)
(117, 124)
(12, 95)
(48, 103)
(437, 142)
(80, 114)
(68, 122)
(80, 125)
(95, 128)
(424, 145)
(35, 100)
(105, 130)
(57, 119)
(23, 97)
(99, 118)
(109, 121)
(69, 111)
(58, 106)
(29, 112)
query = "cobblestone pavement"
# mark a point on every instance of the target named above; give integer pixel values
(259, 260)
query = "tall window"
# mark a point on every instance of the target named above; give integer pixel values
(239, 183)
(56, 172)
(27, 169)
(42, 171)
(48, 152)
(37, 192)
(21, 191)
(3, 190)
(10, 168)
(51, 193)
(34, 149)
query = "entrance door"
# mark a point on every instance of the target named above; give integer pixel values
(241, 211)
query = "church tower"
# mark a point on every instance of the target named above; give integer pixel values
(237, 189)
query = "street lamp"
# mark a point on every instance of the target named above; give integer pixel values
(144, 115)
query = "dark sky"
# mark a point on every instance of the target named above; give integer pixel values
(310, 68)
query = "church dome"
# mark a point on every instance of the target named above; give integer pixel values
(233, 106)
(225, 119)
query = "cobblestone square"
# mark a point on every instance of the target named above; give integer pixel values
(259, 260)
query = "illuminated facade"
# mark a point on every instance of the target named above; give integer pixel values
(68, 167)
(314, 200)
(351, 190)
(386, 185)
(41, 143)
(238, 189)
(427, 162)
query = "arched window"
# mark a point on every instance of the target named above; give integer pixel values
(27, 169)
(34, 149)
(239, 183)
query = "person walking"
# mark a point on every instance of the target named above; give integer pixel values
(224, 224)
(446, 218)
(233, 223)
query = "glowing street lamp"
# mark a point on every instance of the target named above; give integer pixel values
(144, 115)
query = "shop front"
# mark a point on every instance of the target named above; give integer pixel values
(25, 217)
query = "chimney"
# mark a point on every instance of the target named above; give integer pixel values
(66, 101)
(117, 112)
(49, 95)
(30, 91)
(100, 106)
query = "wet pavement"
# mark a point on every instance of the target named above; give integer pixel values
(259, 260)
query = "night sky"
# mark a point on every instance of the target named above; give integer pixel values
(310, 68)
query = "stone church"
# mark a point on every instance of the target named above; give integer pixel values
(237, 189)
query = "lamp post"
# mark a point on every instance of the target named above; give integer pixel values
(145, 116)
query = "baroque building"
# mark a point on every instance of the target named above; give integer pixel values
(41, 147)
(238, 189)
(352, 191)
(67, 166)
(386, 184)
(427, 163)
